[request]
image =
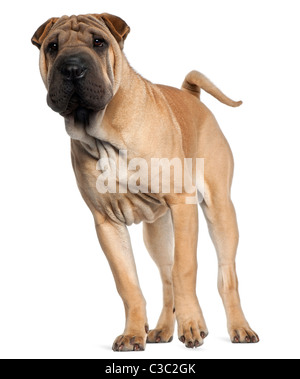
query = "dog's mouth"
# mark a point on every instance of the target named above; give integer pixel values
(78, 89)
(78, 110)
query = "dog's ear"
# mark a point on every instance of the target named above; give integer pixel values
(118, 27)
(42, 32)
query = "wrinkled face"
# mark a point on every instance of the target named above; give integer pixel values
(77, 63)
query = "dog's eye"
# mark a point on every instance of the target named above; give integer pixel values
(98, 42)
(53, 46)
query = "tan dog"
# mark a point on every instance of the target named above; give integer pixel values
(107, 108)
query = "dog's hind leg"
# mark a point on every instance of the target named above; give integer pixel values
(222, 224)
(159, 240)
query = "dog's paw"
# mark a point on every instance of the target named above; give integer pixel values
(130, 343)
(160, 335)
(192, 333)
(243, 335)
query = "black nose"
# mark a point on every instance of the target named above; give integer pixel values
(73, 69)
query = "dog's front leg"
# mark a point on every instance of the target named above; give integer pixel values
(191, 325)
(115, 242)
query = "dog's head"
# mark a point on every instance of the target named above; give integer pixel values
(80, 62)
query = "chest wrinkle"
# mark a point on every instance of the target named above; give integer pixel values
(127, 207)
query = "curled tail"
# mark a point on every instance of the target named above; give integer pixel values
(195, 81)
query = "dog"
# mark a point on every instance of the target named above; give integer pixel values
(109, 109)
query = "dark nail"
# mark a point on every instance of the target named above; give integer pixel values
(190, 345)
(182, 339)
(171, 339)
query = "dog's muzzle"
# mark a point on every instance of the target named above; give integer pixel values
(73, 69)
(77, 86)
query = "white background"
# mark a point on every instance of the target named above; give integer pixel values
(57, 295)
